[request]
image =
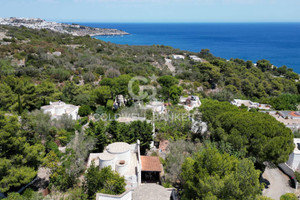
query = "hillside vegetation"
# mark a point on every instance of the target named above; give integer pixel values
(225, 162)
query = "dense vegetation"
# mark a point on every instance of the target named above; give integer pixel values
(212, 175)
(120, 132)
(39, 76)
(253, 135)
(19, 158)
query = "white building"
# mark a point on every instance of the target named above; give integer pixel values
(178, 57)
(122, 158)
(250, 104)
(196, 58)
(190, 102)
(294, 159)
(57, 109)
(156, 106)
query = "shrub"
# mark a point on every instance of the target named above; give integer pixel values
(297, 174)
(110, 104)
(289, 196)
(84, 120)
(105, 181)
(167, 185)
(100, 110)
(89, 77)
(84, 110)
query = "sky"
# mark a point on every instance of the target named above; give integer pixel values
(154, 10)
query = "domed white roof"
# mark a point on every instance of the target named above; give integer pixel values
(106, 156)
(118, 147)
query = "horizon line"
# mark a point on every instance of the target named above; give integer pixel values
(246, 22)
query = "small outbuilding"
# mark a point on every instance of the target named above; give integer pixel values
(151, 169)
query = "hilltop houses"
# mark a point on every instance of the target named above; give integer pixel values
(291, 119)
(57, 109)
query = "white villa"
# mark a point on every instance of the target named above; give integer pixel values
(178, 57)
(190, 102)
(127, 161)
(122, 158)
(57, 109)
(196, 58)
(294, 159)
(250, 104)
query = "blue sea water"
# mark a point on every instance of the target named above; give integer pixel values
(277, 42)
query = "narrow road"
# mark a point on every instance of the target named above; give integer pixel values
(279, 183)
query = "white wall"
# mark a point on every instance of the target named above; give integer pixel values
(294, 161)
(106, 163)
(125, 196)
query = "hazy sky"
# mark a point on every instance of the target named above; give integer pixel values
(155, 10)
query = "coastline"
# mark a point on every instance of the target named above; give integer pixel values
(276, 42)
(73, 29)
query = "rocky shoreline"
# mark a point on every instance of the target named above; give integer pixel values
(73, 29)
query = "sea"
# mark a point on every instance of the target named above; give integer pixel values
(277, 42)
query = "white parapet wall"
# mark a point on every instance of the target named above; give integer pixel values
(125, 196)
(294, 158)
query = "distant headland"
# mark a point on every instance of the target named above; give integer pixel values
(73, 29)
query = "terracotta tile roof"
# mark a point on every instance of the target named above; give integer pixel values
(151, 163)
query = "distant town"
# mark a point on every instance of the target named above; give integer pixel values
(73, 29)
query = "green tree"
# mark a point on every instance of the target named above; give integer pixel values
(283, 101)
(212, 175)
(167, 82)
(98, 131)
(89, 77)
(101, 94)
(257, 135)
(18, 159)
(72, 164)
(110, 104)
(175, 93)
(264, 65)
(46, 92)
(141, 131)
(103, 181)
(76, 193)
(69, 91)
(122, 84)
(178, 152)
(84, 110)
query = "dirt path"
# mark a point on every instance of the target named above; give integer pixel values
(279, 183)
(169, 64)
(2, 35)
